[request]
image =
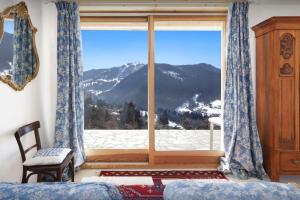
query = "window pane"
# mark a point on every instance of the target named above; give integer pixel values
(116, 88)
(187, 86)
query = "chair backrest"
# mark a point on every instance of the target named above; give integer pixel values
(23, 131)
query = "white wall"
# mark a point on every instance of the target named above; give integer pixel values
(259, 12)
(48, 70)
(37, 100)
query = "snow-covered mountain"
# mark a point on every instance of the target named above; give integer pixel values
(177, 87)
(98, 81)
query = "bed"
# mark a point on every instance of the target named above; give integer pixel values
(61, 191)
(196, 190)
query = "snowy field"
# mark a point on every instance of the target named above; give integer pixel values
(139, 139)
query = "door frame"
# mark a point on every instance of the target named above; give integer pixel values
(151, 157)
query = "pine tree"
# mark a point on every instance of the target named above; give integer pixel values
(130, 117)
(164, 119)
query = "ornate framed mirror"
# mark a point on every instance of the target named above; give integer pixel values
(19, 61)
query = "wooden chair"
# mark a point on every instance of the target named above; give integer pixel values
(42, 169)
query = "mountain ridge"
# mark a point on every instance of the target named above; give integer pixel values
(175, 84)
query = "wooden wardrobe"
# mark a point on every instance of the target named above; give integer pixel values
(277, 94)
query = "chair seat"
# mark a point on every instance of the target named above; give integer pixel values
(48, 156)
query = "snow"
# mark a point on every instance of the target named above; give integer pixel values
(136, 63)
(114, 113)
(211, 111)
(174, 125)
(216, 120)
(95, 92)
(216, 104)
(143, 113)
(184, 108)
(173, 74)
(5, 72)
(87, 83)
(93, 106)
(133, 65)
(90, 82)
(193, 105)
(195, 98)
(108, 80)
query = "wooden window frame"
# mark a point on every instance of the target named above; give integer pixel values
(150, 158)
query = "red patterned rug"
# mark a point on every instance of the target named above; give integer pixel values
(155, 191)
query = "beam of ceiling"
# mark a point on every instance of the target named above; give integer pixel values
(159, 25)
(151, 2)
(154, 5)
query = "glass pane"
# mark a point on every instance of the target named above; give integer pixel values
(116, 87)
(187, 86)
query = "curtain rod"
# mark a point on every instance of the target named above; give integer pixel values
(55, 1)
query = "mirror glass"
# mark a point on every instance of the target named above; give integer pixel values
(19, 61)
(6, 48)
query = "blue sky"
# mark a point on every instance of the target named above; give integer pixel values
(105, 49)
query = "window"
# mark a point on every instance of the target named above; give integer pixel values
(151, 85)
(187, 85)
(115, 86)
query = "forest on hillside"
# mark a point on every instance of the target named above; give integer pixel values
(101, 115)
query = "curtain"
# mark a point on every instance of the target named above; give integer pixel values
(69, 111)
(24, 60)
(243, 154)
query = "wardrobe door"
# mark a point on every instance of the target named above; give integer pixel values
(288, 90)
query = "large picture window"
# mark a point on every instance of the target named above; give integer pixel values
(153, 87)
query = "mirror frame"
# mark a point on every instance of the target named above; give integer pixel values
(21, 10)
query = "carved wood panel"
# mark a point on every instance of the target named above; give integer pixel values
(287, 53)
(287, 41)
(286, 137)
(286, 69)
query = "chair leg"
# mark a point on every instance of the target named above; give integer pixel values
(72, 167)
(59, 175)
(39, 177)
(24, 177)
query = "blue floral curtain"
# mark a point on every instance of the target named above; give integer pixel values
(24, 59)
(69, 111)
(243, 154)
